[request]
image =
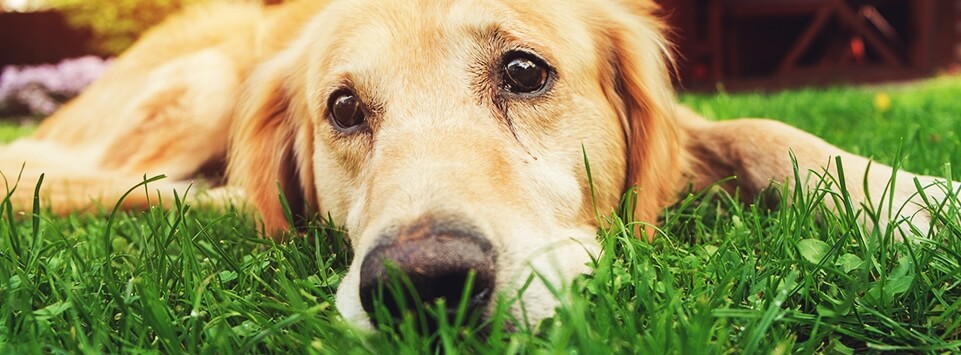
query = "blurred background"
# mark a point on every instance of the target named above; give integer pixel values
(47, 31)
(769, 44)
(727, 45)
(51, 49)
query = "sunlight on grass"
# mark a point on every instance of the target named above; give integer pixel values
(923, 117)
(723, 278)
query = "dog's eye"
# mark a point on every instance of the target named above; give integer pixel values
(523, 73)
(346, 110)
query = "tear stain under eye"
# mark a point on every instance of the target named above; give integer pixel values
(510, 127)
(501, 106)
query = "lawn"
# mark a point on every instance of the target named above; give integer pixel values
(723, 278)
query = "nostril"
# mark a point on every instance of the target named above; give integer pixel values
(413, 272)
(468, 285)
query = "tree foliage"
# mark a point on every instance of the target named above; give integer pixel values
(116, 24)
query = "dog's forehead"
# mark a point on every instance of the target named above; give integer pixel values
(378, 35)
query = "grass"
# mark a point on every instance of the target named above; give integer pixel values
(724, 278)
(11, 131)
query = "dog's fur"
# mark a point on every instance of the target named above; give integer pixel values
(242, 90)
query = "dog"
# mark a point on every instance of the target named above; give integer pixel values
(451, 138)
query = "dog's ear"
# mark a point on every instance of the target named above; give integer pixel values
(270, 146)
(639, 86)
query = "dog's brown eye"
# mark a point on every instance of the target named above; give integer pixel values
(346, 110)
(524, 73)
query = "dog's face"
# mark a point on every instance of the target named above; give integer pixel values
(450, 138)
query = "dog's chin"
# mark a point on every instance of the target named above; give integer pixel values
(348, 298)
(533, 275)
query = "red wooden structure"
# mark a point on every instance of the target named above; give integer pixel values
(39, 37)
(777, 43)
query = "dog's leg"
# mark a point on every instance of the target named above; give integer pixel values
(83, 192)
(72, 183)
(760, 152)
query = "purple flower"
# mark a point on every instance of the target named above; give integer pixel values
(41, 89)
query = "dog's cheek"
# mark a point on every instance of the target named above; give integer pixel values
(596, 154)
(336, 188)
(572, 134)
(531, 266)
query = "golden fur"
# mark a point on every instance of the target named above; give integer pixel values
(241, 90)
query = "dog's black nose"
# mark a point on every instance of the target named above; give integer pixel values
(438, 259)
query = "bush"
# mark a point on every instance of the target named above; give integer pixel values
(40, 90)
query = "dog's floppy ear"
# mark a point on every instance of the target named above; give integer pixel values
(640, 88)
(270, 146)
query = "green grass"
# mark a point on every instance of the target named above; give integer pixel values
(725, 277)
(10, 131)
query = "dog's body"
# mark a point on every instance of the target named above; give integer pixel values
(448, 136)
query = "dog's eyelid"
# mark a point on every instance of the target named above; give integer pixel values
(345, 85)
(512, 40)
(525, 49)
(342, 85)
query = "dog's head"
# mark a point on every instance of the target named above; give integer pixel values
(449, 137)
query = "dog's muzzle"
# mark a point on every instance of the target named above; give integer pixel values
(438, 259)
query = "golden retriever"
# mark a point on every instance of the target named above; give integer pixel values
(448, 136)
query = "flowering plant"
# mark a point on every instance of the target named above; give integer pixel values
(39, 90)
